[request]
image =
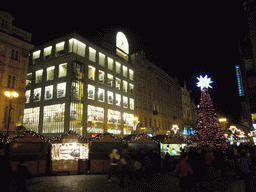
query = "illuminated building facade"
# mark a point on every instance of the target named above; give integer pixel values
(158, 99)
(15, 45)
(72, 84)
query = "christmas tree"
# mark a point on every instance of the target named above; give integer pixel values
(208, 132)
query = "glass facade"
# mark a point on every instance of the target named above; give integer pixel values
(31, 118)
(95, 119)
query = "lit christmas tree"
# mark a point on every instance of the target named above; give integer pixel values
(208, 132)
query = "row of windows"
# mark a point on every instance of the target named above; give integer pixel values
(53, 119)
(79, 48)
(102, 95)
(62, 72)
(110, 80)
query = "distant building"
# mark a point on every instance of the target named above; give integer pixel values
(15, 45)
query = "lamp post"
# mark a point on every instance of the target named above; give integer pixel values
(10, 95)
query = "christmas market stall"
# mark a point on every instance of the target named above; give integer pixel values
(69, 154)
(34, 149)
(100, 148)
(172, 146)
(142, 142)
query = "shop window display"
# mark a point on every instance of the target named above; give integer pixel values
(125, 71)
(95, 119)
(91, 73)
(63, 70)
(48, 92)
(39, 76)
(131, 103)
(131, 88)
(118, 84)
(125, 86)
(118, 100)
(110, 80)
(53, 120)
(114, 122)
(128, 123)
(110, 64)
(101, 95)
(131, 74)
(76, 117)
(125, 102)
(91, 92)
(110, 97)
(118, 68)
(50, 73)
(61, 90)
(102, 59)
(37, 94)
(31, 118)
(101, 77)
(27, 95)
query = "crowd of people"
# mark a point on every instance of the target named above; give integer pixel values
(198, 169)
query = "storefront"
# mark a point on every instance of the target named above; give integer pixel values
(173, 146)
(100, 148)
(34, 149)
(69, 154)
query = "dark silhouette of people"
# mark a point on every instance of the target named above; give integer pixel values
(22, 175)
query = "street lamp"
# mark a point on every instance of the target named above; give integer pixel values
(175, 128)
(10, 95)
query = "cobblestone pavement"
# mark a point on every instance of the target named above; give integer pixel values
(99, 183)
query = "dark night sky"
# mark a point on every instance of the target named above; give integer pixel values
(185, 38)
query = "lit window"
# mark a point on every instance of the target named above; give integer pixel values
(60, 49)
(50, 73)
(77, 47)
(37, 95)
(131, 87)
(118, 100)
(118, 84)
(48, 92)
(36, 56)
(118, 68)
(125, 102)
(110, 80)
(101, 76)
(28, 92)
(131, 103)
(47, 52)
(31, 118)
(63, 70)
(125, 86)
(101, 95)
(131, 74)
(95, 119)
(29, 79)
(61, 90)
(91, 73)
(54, 116)
(92, 54)
(91, 92)
(102, 59)
(110, 97)
(39, 76)
(125, 71)
(110, 64)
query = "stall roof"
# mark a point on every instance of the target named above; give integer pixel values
(29, 137)
(69, 137)
(141, 139)
(106, 138)
(174, 140)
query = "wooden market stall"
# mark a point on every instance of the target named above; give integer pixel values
(69, 154)
(34, 149)
(100, 148)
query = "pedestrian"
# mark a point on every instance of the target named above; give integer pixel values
(124, 161)
(182, 170)
(22, 175)
(114, 158)
(244, 165)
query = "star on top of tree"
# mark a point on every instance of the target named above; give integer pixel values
(204, 82)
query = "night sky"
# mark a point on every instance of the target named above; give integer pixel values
(185, 38)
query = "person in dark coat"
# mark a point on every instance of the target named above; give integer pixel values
(22, 175)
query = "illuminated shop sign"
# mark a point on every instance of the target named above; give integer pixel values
(239, 81)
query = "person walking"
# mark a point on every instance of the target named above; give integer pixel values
(114, 157)
(182, 170)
